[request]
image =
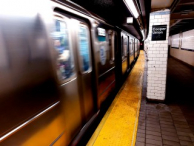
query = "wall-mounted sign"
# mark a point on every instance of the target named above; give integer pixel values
(159, 32)
(101, 32)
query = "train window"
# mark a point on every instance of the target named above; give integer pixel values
(65, 64)
(84, 47)
(132, 46)
(127, 45)
(136, 45)
(124, 47)
(3, 55)
(111, 44)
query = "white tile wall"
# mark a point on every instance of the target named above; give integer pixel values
(188, 39)
(157, 53)
(175, 41)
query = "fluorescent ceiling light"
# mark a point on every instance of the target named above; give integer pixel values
(131, 6)
(142, 32)
(129, 20)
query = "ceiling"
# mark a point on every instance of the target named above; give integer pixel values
(116, 13)
(182, 13)
(161, 4)
(182, 25)
(182, 17)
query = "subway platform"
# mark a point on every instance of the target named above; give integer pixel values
(170, 123)
(132, 120)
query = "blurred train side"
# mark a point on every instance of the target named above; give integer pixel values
(58, 65)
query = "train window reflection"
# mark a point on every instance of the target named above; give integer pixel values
(65, 64)
(125, 46)
(84, 47)
(3, 55)
(131, 47)
(122, 49)
(111, 44)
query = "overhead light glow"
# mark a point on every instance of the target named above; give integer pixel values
(129, 20)
(142, 32)
(131, 6)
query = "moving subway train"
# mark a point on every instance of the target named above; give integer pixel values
(58, 65)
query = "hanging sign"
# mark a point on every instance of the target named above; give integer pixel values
(101, 32)
(159, 32)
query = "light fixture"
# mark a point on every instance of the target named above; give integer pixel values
(142, 32)
(131, 6)
(129, 20)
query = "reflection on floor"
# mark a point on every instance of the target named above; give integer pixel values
(119, 125)
(172, 122)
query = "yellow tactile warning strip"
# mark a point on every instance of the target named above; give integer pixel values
(119, 125)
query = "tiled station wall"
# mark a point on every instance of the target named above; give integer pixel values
(157, 53)
(182, 46)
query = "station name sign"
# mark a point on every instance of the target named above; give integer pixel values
(101, 32)
(159, 32)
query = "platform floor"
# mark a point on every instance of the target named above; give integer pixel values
(119, 125)
(170, 123)
(132, 120)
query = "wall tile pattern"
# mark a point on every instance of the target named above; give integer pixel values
(157, 53)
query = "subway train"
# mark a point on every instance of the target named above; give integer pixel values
(58, 65)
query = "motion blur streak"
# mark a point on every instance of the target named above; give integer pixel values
(27, 76)
(56, 70)
(24, 124)
(23, 8)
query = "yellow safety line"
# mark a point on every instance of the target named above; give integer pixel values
(135, 126)
(119, 125)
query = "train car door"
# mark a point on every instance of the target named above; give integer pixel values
(128, 54)
(105, 61)
(132, 56)
(137, 47)
(67, 76)
(73, 47)
(124, 54)
(134, 48)
(84, 60)
(135, 43)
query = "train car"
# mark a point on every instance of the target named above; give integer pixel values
(129, 51)
(58, 66)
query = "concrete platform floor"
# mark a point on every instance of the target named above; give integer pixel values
(170, 123)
